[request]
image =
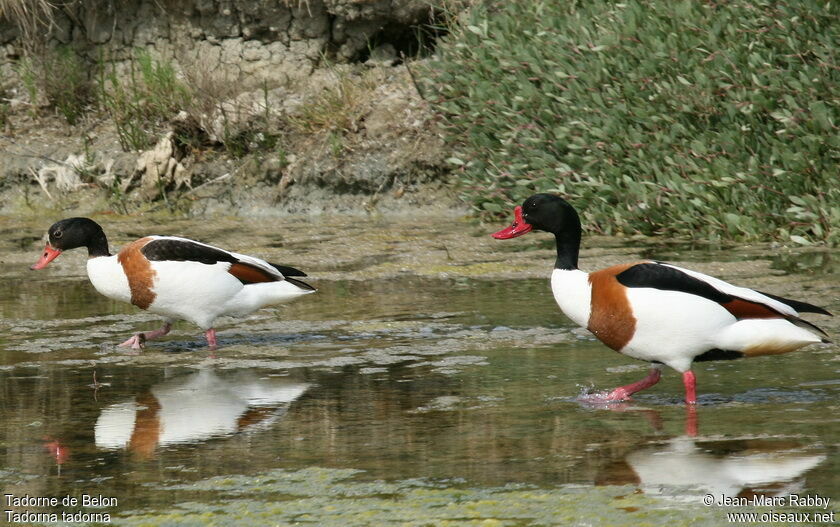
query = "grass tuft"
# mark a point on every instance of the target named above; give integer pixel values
(337, 108)
(143, 100)
(29, 16)
(58, 78)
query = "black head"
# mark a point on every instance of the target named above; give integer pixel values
(72, 233)
(543, 212)
(546, 212)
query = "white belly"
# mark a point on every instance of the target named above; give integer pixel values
(193, 291)
(673, 327)
(182, 290)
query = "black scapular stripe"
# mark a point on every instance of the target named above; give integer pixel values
(664, 277)
(185, 250)
(667, 278)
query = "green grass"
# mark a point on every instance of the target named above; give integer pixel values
(145, 101)
(709, 120)
(58, 77)
(141, 101)
(337, 108)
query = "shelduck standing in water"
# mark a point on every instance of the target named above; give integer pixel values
(177, 278)
(658, 312)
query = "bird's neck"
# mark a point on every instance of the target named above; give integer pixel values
(98, 246)
(567, 252)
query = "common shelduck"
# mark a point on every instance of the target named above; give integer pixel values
(661, 313)
(175, 277)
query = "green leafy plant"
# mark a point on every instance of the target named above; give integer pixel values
(709, 120)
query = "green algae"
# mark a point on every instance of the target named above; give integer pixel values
(338, 497)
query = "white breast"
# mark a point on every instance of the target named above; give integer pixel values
(107, 276)
(573, 294)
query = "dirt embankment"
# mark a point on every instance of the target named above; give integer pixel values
(290, 107)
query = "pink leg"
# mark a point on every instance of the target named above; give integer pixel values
(691, 420)
(136, 342)
(690, 382)
(211, 338)
(624, 392)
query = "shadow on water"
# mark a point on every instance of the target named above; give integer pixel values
(815, 262)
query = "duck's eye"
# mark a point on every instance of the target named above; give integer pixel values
(57, 234)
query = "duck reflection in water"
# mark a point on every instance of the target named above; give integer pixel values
(689, 467)
(195, 407)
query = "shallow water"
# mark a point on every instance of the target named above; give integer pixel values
(416, 388)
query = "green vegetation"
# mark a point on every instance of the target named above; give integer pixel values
(150, 94)
(337, 108)
(246, 134)
(341, 497)
(709, 120)
(58, 77)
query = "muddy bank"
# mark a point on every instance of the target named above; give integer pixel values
(382, 150)
(220, 107)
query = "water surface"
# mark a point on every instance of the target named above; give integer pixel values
(416, 388)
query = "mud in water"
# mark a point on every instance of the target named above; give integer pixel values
(431, 379)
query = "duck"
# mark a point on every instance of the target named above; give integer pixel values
(658, 312)
(177, 278)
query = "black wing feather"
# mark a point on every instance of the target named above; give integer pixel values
(300, 283)
(185, 250)
(285, 270)
(800, 307)
(667, 278)
(664, 277)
